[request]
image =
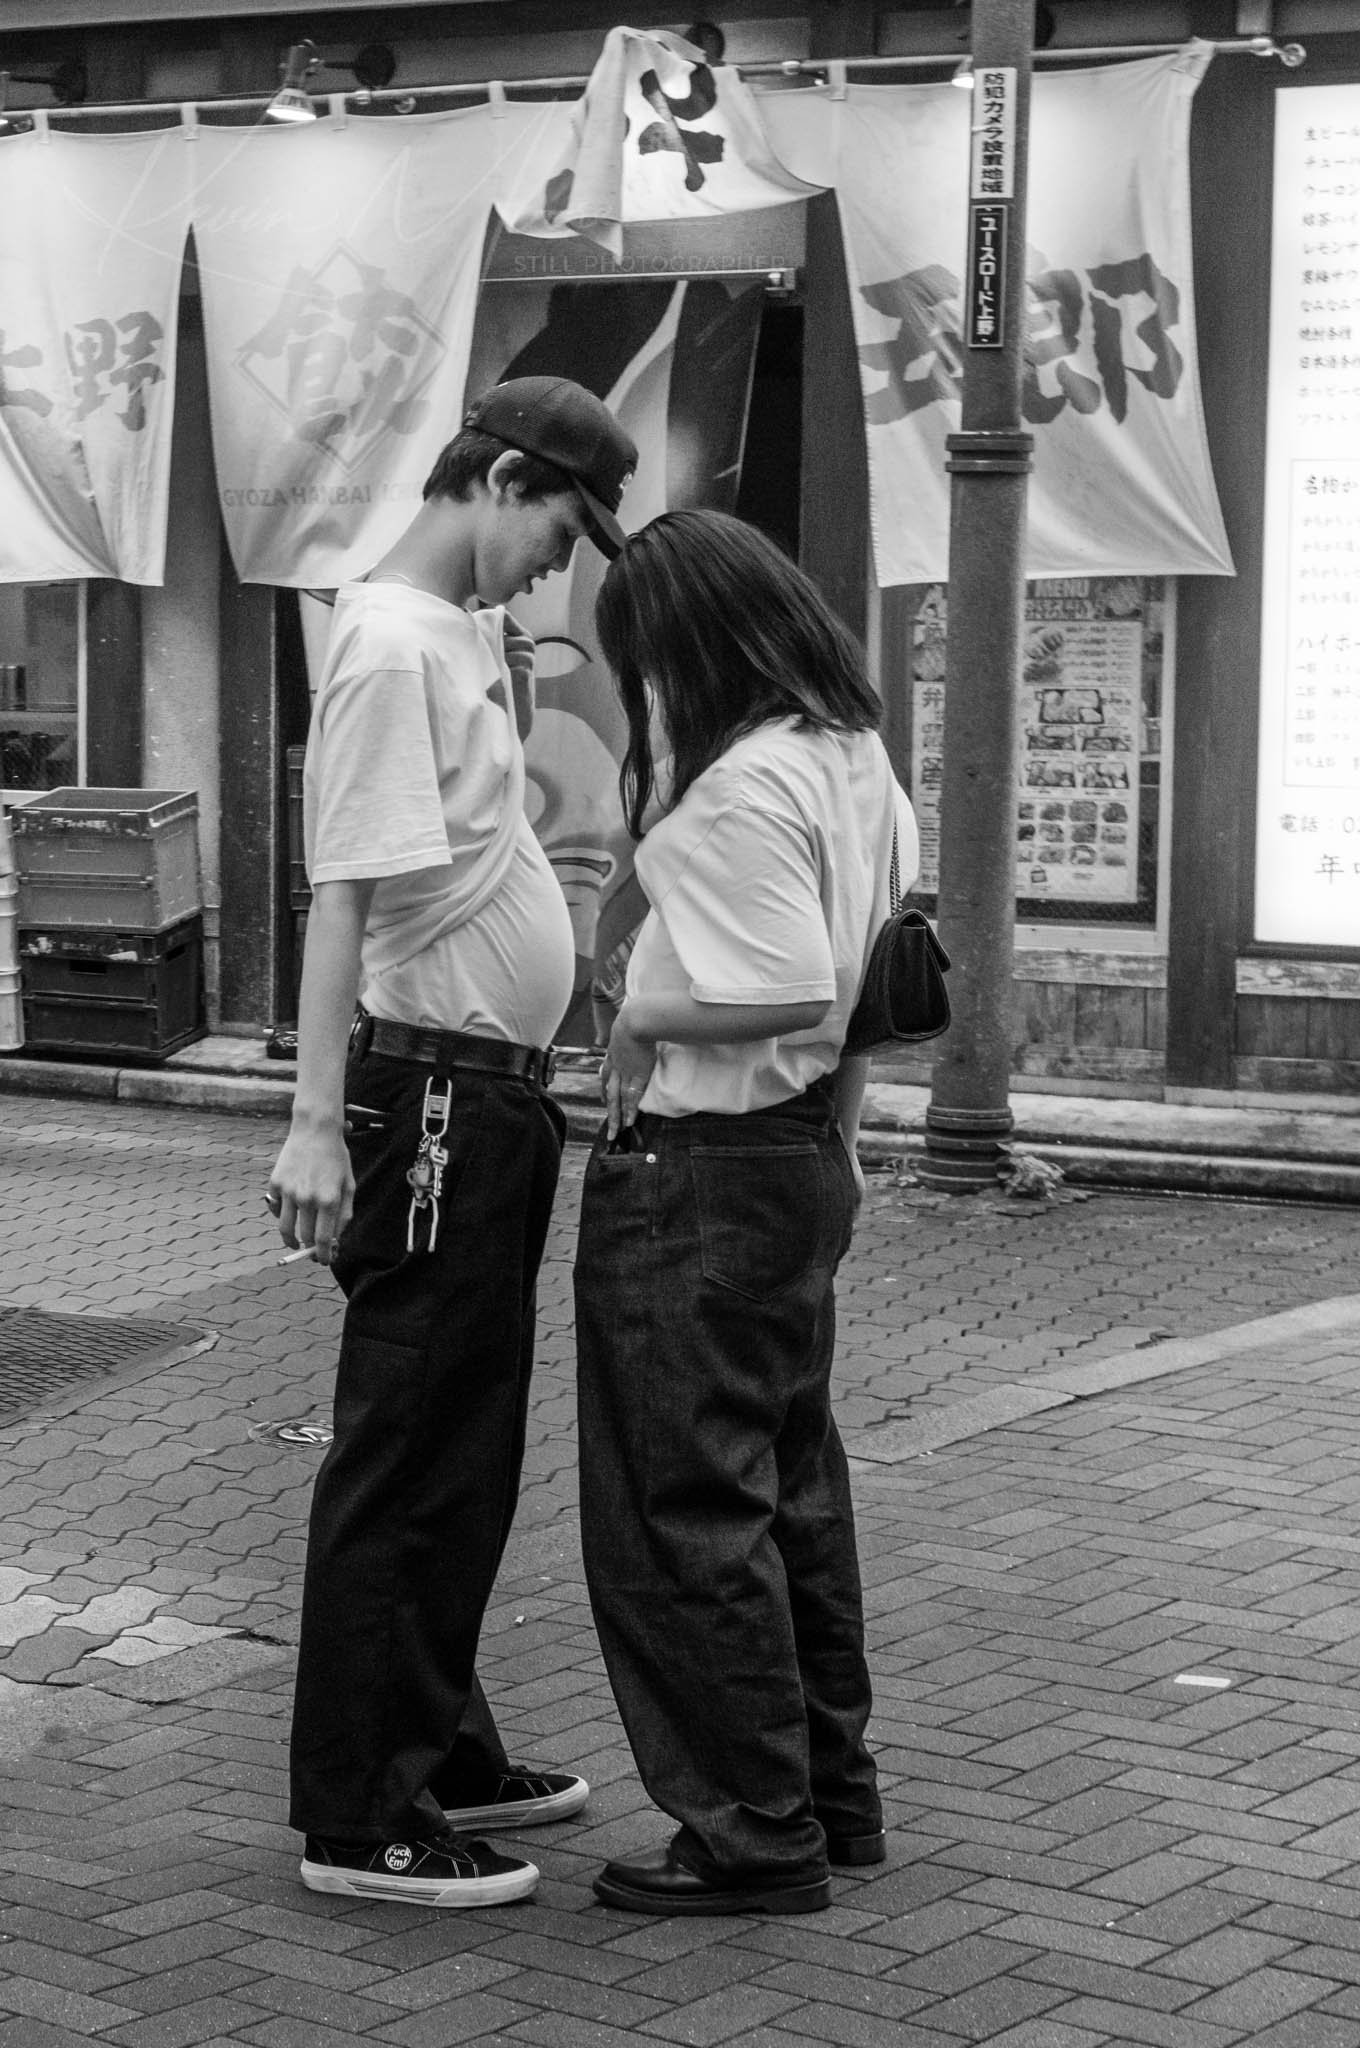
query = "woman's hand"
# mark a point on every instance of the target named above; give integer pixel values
(626, 1071)
(856, 1172)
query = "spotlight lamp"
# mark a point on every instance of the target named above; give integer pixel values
(373, 67)
(291, 103)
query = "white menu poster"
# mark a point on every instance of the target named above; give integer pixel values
(1079, 741)
(1308, 785)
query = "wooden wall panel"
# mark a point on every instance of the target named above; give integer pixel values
(1333, 1029)
(1044, 1013)
(1110, 1016)
(1272, 1027)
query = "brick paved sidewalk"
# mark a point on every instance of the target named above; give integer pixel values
(1114, 1641)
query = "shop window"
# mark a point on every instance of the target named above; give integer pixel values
(41, 685)
(1089, 756)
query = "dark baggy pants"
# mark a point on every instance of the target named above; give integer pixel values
(414, 1501)
(716, 1520)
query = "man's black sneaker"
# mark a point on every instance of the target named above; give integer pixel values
(430, 1870)
(523, 1798)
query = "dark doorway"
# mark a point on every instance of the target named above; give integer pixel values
(772, 463)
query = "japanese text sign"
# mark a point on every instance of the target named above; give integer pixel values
(339, 264)
(92, 235)
(1122, 483)
(658, 135)
(1308, 783)
(993, 169)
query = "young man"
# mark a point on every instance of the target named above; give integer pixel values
(428, 882)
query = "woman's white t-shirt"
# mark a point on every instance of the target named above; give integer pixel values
(415, 777)
(767, 884)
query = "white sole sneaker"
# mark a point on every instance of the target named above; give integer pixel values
(495, 1888)
(509, 1814)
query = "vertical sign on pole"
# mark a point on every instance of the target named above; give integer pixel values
(991, 188)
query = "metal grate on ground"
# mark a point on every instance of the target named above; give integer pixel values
(45, 1356)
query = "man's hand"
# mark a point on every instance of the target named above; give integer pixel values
(624, 1076)
(311, 1191)
(519, 650)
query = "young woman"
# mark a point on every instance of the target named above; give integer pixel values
(715, 1507)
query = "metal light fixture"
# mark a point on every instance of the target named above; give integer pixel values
(373, 66)
(291, 103)
(67, 82)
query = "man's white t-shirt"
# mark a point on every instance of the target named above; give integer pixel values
(767, 884)
(415, 777)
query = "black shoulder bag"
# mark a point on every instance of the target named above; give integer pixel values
(903, 998)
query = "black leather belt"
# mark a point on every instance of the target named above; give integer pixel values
(445, 1049)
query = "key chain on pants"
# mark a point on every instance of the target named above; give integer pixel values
(426, 1177)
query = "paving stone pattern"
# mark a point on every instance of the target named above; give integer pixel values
(1087, 1848)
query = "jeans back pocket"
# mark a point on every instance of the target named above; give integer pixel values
(761, 1212)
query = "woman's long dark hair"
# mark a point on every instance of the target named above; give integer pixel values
(711, 615)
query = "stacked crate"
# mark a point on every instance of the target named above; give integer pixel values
(110, 924)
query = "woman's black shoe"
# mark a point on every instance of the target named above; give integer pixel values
(658, 1882)
(855, 1850)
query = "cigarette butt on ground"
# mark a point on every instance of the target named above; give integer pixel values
(291, 1258)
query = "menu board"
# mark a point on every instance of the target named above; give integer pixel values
(1308, 786)
(1080, 742)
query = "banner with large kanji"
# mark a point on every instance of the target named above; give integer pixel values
(1122, 483)
(659, 134)
(339, 264)
(92, 232)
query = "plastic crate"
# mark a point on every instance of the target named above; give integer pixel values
(90, 990)
(124, 858)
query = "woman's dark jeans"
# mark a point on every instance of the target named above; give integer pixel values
(715, 1505)
(415, 1498)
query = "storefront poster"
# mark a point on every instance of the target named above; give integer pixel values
(1308, 815)
(92, 232)
(658, 135)
(1082, 734)
(674, 361)
(339, 264)
(1122, 482)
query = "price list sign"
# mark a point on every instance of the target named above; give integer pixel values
(1078, 783)
(1308, 814)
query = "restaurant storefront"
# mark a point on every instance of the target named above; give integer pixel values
(1187, 828)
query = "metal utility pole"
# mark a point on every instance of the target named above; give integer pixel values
(969, 1115)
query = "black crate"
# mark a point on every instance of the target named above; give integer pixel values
(91, 990)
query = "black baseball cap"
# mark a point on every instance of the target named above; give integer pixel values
(563, 423)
